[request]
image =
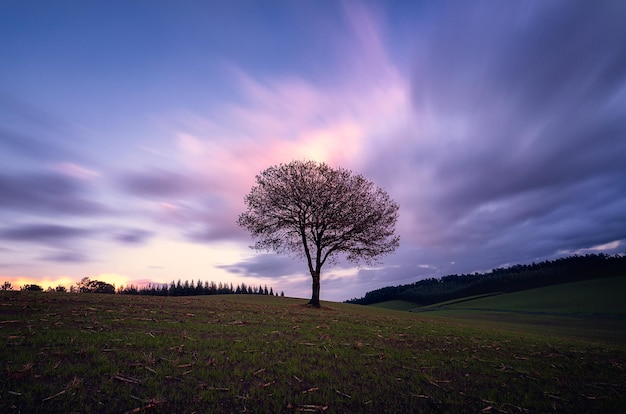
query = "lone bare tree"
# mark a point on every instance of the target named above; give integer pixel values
(313, 210)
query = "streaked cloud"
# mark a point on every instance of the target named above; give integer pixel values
(47, 193)
(498, 128)
(42, 232)
(134, 236)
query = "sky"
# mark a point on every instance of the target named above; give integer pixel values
(130, 132)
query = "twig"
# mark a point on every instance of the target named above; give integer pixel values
(343, 394)
(521, 409)
(53, 396)
(151, 370)
(422, 396)
(308, 408)
(554, 396)
(127, 380)
(431, 382)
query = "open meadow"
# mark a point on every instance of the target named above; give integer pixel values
(94, 353)
(588, 309)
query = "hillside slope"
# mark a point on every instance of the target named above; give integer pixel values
(590, 310)
(510, 279)
(605, 296)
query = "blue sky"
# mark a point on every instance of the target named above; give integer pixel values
(131, 131)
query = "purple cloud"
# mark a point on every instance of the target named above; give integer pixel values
(134, 236)
(43, 233)
(267, 266)
(47, 193)
(70, 257)
(516, 135)
(159, 182)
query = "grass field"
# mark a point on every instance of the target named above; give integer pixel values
(127, 354)
(589, 309)
(403, 305)
(598, 296)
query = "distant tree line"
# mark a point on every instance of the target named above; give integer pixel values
(179, 288)
(509, 279)
(7, 286)
(197, 288)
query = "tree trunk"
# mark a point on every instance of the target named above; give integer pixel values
(315, 296)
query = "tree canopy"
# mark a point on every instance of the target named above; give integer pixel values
(32, 288)
(318, 212)
(87, 285)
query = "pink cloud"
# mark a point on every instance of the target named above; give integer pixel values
(280, 119)
(275, 120)
(76, 171)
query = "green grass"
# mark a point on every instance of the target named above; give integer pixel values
(589, 309)
(440, 305)
(112, 353)
(402, 305)
(599, 296)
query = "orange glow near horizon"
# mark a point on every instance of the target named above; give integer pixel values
(53, 281)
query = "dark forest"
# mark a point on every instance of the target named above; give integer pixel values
(509, 279)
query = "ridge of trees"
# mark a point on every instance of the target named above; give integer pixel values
(197, 288)
(508, 279)
(179, 288)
